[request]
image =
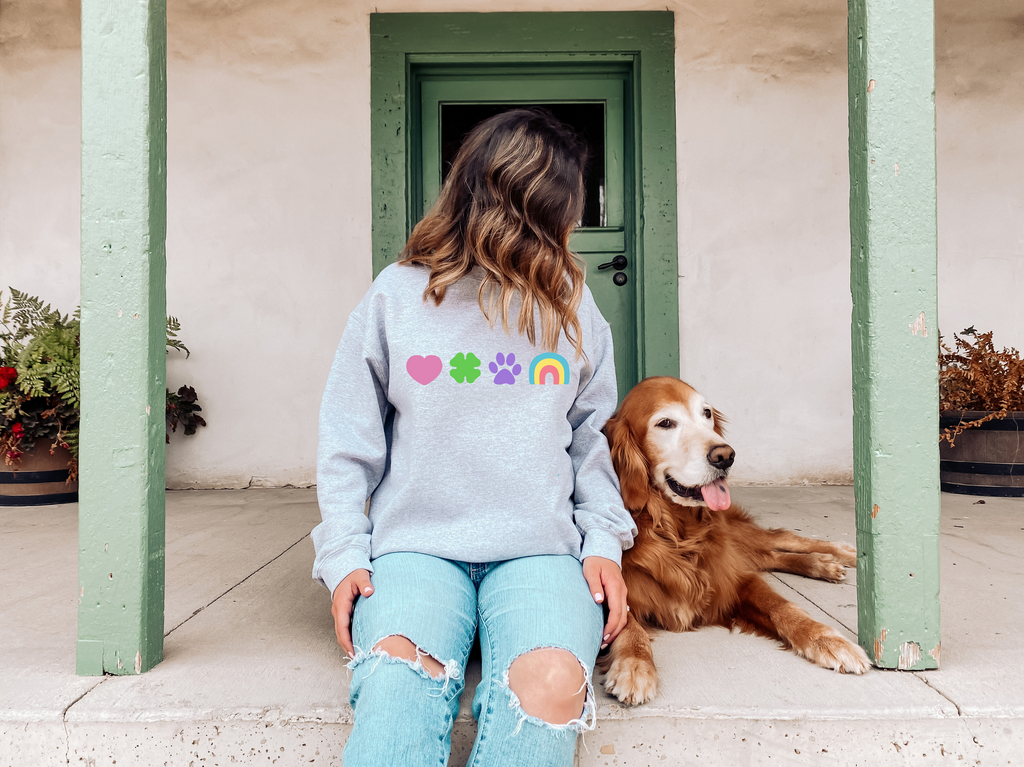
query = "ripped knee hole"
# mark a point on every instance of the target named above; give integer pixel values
(550, 684)
(398, 646)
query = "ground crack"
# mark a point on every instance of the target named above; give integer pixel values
(232, 588)
(959, 711)
(64, 720)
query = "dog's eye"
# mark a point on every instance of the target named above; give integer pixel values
(666, 423)
(707, 413)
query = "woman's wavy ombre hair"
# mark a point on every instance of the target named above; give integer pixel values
(512, 198)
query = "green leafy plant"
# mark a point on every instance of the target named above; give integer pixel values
(183, 408)
(40, 392)
(973, 376)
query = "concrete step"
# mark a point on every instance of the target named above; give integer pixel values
(252, 673)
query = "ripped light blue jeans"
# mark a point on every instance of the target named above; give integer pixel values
(404, 716)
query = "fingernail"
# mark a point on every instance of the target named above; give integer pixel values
(368, 589)
(606, 637)
(603, 646)
(598, 596)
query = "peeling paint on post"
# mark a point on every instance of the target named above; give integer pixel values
(880, 645)
(893, 281)
(124, 215)
(910, 656)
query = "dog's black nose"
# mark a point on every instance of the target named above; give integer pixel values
(721, 456)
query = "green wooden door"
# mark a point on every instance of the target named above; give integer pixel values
(451, 101)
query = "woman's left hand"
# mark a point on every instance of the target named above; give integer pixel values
(607, 587)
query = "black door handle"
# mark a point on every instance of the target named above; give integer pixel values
(618, 263)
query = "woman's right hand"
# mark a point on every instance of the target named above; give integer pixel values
(356, 584)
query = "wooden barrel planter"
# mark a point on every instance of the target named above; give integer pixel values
(987, 459)
(40, 479)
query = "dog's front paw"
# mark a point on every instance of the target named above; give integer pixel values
(632, 680)
(832, 650)
(829, 568)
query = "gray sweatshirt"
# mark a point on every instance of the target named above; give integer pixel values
(471, 443)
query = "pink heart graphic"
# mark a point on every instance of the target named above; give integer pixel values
(424, 369)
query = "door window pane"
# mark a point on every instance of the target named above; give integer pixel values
(586, 119)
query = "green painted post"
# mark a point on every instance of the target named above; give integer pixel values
(895, 329)
(124, 216)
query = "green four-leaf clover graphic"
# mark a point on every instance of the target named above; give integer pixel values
(465, 367)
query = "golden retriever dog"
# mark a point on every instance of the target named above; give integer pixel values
(697, 558)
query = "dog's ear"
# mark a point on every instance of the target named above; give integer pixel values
(629, 462)
(720, 422)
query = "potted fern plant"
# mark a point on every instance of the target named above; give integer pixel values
(981, 402)
(40, 401)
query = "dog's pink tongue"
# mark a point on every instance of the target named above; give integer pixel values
(716, 495)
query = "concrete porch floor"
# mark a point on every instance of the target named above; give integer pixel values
(252, 674)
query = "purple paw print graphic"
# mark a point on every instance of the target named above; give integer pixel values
(505, 368)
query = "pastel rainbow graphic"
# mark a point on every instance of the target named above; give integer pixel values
(549, 367)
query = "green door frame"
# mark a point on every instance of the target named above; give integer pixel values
(642, 41)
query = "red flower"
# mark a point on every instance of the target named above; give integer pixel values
(18, 430)
(7, 375)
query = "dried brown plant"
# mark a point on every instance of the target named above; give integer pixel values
(974, 376)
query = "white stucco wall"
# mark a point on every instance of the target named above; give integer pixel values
(269, 212)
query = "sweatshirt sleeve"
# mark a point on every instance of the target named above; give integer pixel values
(352, 450)
(607, 528)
